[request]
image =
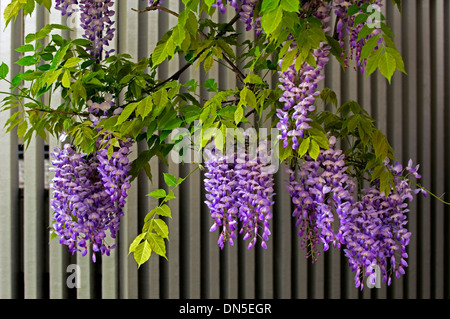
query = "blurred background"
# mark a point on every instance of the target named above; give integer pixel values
(413, 112)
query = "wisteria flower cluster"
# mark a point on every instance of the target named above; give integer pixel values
(320, 191)
(371, 226)
(246, 9)
(89, 196)
(96, 20)
(374, 230)
(239, 190)
(300, 90)
(347, 26)
(300, 87)
(90, 191)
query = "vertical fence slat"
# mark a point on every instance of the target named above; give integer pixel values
(9, 263)
(410, 146)
(437, 108)
(127, 31)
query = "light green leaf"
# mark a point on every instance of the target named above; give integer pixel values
(304, 147)
(170, 179)
(26, 61)
(314, 150)
(372, 61)
(160, 228)
(290, 5)
(157, 244)
(271, 20)
(66, 79)
(369, 46)
(126, 113)
(269, 5)
(136, 242)
(25, 48)
(208, 63)
(143, 252)
(288, 60)
(387, 65)
(159, 193)
(145, 107)
(238, 115)
(4, 70)
(22, 129)
(73, 61)
(164, 210)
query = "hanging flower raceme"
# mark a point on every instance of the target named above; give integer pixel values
(239, 188)
(322, 193)
(90, 190)
(300, 90)
(374, 230)
(300, 86)
(89, 194)
(96, 21)
(222, 195)
(246, 10)
(347, 26)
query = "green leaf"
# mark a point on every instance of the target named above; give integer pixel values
(143, 252)
(304, 147)
(25, 48)
(159, 193)
(387, 65)
(73, 61)
(170, 179)
(290, 5)
(238, 115)
(126, 112)
(284, 152)
(288, 59)
(52, 76)
(269, 5)
(22, 129)
(4, 70)
(136, 242)
(164, 210)
(26, 61)
(208, 63)
(156, 244)
(314, 150)
(160, 227)
(271, 20)
(145, 107)
(369, 46)
(66, 79)
(380, 145)
(163, 51)
(372, 61)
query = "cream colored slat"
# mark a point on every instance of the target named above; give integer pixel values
(34, 223)
(9, 207)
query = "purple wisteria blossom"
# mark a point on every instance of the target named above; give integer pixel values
(239, 189)
(67, 7)
(321, 192)
(300, 87)
(374, 231)
(346, 26)
(96, 20)
(246, 10)
(90, 191)
(300, 90)
(89, 195)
